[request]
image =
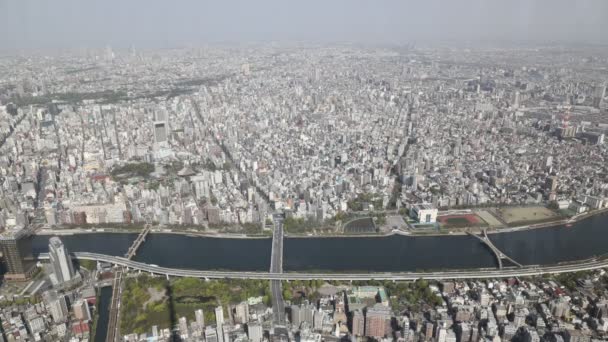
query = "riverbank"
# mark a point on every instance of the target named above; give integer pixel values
(66, 232)
(395, 253)
(194, 233)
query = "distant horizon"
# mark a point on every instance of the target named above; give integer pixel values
(62, 24)
(437, 43)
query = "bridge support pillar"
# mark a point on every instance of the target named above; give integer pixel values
(167, 276)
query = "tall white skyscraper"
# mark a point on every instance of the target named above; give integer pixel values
(200, 318)
(219, 315)
(60, 260)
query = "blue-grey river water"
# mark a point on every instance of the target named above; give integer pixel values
(584, 239)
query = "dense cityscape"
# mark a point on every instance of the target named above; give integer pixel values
(317, 141)
(336, 171)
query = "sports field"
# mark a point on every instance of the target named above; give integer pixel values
(461, 221)
(532, 214)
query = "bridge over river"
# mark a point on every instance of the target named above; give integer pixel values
(583, 265)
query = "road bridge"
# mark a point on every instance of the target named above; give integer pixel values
(484, 273)
(141, 238)
(276, 266)
(500, 256)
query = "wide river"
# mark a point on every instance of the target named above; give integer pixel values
(550, 245)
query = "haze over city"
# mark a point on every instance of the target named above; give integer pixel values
(161, 24)
(306, 171)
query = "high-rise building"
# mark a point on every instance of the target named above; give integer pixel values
(242, 313)
(551, 183)
(226, 331)
(60, 261)
(255, 332)
(58, 308)
(308, 313)
(160, 132)
(378, 321)
(81, 310)
(183, 327)
(200, 318)
(358, 324)
(220, 333)
(318, 318)
(17, 259)
(211, 334)
(296, 313)
(219, 315)
(598, 98)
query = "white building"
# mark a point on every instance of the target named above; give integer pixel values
(255, 332)
(219, 315)
(60, 261)
(200, 318)
(424, 213)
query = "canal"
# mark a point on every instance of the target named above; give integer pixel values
(103, 312)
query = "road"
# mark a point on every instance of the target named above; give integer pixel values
(582, 265)
(276, 266)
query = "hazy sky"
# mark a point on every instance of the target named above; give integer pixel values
(170, 23)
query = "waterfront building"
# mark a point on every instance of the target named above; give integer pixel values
(60, 261)
(424, 213)
(17, 259)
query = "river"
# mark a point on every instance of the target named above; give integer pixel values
(549, 245)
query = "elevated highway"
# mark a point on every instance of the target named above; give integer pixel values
(583, 265)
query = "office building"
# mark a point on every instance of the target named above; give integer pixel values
(160, 132)
(211, 334)
(60, 261)
(424, 213)
(551, 183)
(183, 327)
(378, 321)
(58, 308)
(219, 315)
(242, 313)
(296, 313)
(220, 333)
(358, 323)
(318, 318)
(17, 259)
(200, 318)
(255, 332)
